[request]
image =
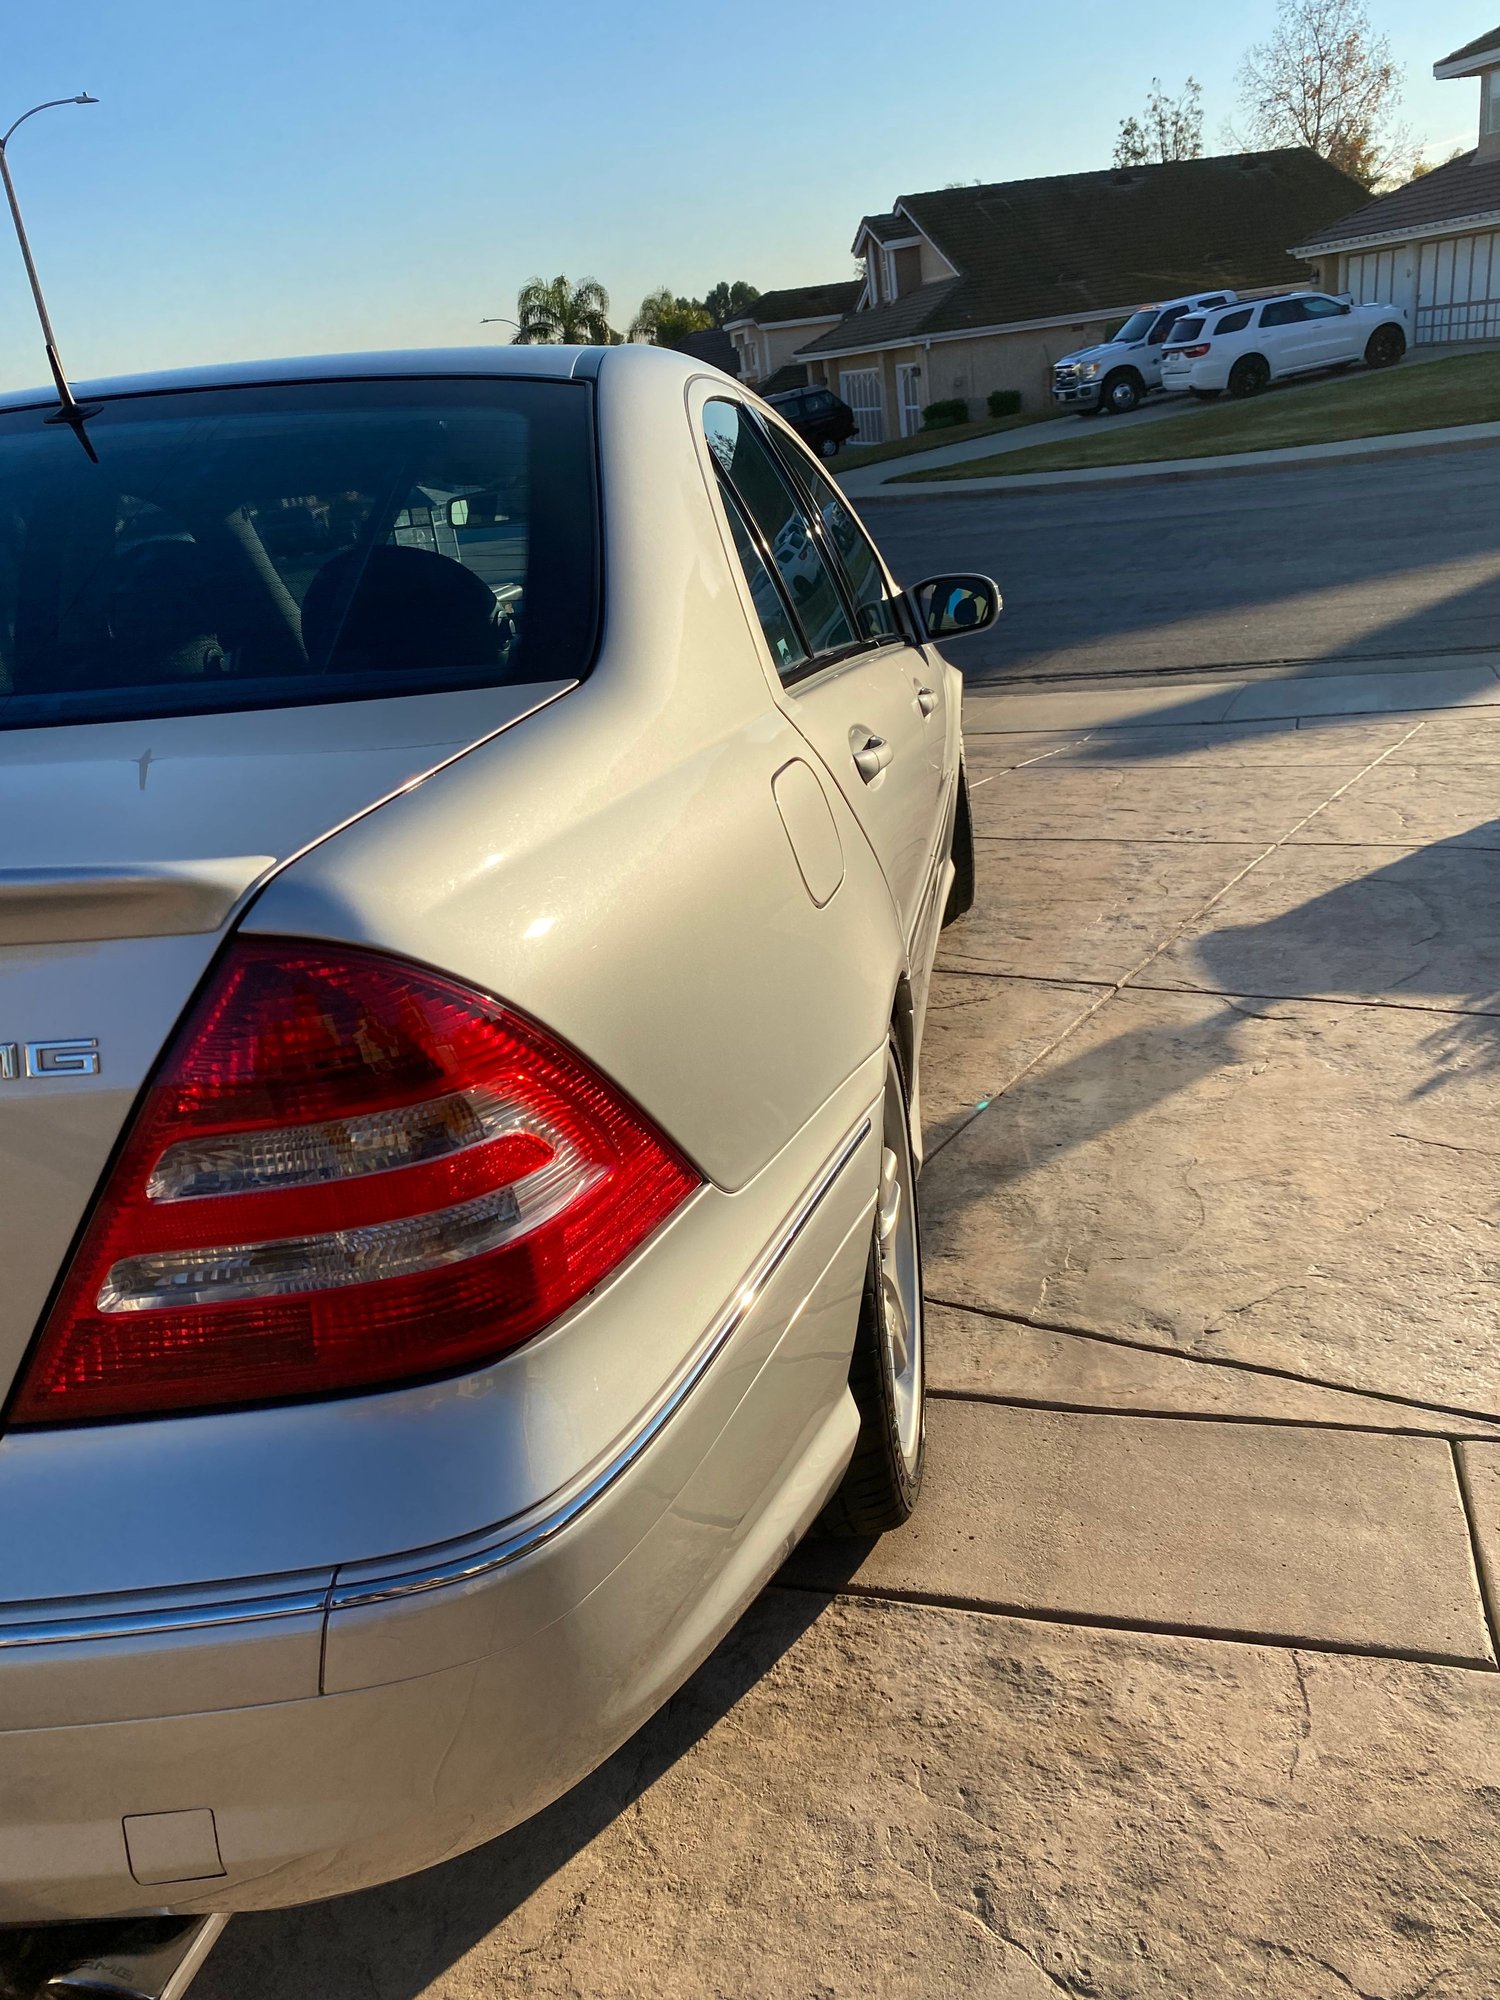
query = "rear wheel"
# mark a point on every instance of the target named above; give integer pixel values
(1385, 347)
(887, 1375)
(829, 448)
(1121, 393)
(1249, 375)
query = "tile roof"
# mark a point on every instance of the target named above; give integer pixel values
(1078, 245)
(1475, 48)
(802, 302)
(1464, 187)
(887, 228)
(712, 345)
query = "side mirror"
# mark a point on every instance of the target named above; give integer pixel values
(458, 513)
(950, 607)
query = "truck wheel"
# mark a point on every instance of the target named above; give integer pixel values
(1121, 393)
(1249, 375)
(1385, 347)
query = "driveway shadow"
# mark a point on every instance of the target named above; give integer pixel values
(392, 1943)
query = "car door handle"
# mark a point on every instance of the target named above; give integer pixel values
(927, 700)
(871, 753)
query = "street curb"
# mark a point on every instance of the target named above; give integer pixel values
(1164, 472)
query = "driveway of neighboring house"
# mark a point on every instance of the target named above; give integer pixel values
(1182, 1682)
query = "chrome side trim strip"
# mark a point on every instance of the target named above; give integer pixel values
(472, 1560)
(61, 1624)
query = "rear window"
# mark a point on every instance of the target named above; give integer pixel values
(1187, 329)
(251, 548)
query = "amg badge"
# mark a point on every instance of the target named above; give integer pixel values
(76, 1057)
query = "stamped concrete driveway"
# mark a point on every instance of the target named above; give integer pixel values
(1183, 1680)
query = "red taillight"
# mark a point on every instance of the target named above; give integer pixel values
(1195, 352)
(349, 1171)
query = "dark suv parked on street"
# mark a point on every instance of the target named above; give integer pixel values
(819, 417)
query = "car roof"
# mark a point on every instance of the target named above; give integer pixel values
(497, 361)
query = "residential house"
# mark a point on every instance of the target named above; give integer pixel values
(712, 345)
(969, 289)
(1432, 246)
(767, 337)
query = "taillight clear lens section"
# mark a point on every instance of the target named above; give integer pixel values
(349, 1171)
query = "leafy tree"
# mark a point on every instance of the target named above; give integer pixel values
(664, 320)
(1325, 79)
(1172, 128)
(557, 312)
(728, 301)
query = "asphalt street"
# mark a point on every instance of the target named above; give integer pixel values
(1324, 566)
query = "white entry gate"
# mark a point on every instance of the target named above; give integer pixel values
(1458, 288)
(863, 391)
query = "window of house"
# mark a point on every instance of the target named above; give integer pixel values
(1489, 103)
(908, 263)
(784, 530)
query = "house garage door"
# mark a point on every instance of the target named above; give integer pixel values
(862, 390)
(1458, 288)
(1372, 278)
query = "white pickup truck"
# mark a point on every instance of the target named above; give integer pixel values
(1120, 373)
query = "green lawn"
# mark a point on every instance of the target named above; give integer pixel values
(871, 454)
(1416, 396)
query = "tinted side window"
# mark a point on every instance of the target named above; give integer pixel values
(1283, 312)
(861, 567)
(782, 636)
(1234, 322)
(1321, 308)
(767, 497)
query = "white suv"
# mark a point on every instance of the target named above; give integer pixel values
(1245, 349)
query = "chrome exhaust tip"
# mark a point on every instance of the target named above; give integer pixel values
(137, 1958)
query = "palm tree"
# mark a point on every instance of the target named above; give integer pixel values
(561, 313)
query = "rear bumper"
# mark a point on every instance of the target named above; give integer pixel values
(363, 1724)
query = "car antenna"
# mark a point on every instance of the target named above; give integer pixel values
(69, 410)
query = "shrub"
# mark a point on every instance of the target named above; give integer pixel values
(1005, 402)
(936, 415)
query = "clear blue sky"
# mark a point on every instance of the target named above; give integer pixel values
(305, 176)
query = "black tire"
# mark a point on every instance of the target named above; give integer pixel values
(1122, 393)
(1249, 375)
(1206, 395)
(883, 1479)
(1385, 347)
(961, 853)
(829, 448)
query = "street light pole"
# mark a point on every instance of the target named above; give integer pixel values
(502, 322)
(70, 411)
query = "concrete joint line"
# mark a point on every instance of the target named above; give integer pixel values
(1098, 1621)
(1138, 1346)
(1280, 999)
(1129, 1413)
(1170, 939)
(1485, 1578)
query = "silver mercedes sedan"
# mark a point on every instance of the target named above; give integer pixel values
(474, 831)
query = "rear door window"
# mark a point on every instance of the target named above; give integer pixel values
(246, 548)
(847, 544)
(781, 525)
